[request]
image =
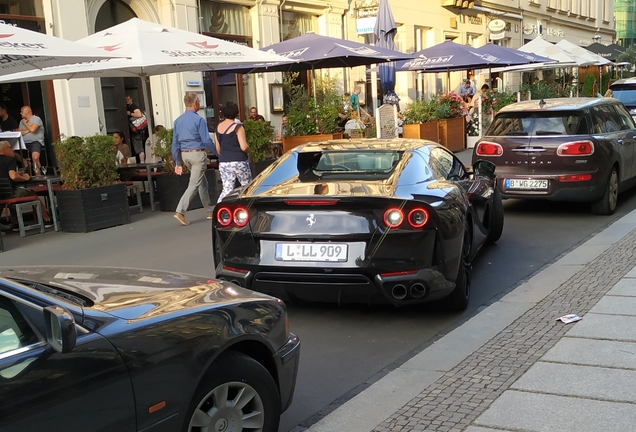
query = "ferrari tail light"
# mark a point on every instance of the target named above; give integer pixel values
(576, 148)
(575, 178)
(240, 216)
(418, 217)
(486, 148)
(393, 218)
(224, 216)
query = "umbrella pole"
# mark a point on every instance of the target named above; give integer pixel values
(144, 90)
(313, 77)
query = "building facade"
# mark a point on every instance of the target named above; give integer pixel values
(259, 23)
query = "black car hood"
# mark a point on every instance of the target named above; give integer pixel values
(133, 293)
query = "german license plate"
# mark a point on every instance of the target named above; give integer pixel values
(526, 184)
(317, 252)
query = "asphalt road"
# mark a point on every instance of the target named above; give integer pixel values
(344, 348)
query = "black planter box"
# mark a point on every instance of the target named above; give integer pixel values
(92, 209)
(170, 188)
(258, 167)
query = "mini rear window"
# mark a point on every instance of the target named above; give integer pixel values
(348, 164)
(531, 123)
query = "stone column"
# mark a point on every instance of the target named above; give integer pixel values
(266, 31)
(78, 110)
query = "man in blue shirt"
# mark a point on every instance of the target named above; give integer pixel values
(466, 90)
(190, 137)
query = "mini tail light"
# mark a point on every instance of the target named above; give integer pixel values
(393, 218)
(240, 216)
(418, 217)
(486, 148)
(576, 148)
(224, 216)
(575, 178)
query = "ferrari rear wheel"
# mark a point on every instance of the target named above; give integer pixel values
(238, 395)
(496, 219)
(459, 298)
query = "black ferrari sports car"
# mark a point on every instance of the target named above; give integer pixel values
(395, 221)
(105, 349)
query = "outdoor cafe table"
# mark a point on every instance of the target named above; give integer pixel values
(132, 169)
(49, 180)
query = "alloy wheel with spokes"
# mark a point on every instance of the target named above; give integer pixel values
(238, 395)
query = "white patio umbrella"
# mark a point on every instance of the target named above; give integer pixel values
(544, 48)
(582, 53)
(26, 50)
(151, 49)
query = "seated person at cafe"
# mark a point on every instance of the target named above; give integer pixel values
(9, 170)
(7, 123)
(122, 151)
(254, 115)
(284, 125)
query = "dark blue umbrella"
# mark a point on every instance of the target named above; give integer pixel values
(385, 30)
(312, 51)
(450, 56)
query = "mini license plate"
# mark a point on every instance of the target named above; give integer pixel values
(526, 184)
(318, 252)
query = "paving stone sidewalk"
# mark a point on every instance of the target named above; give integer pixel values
(465, 392)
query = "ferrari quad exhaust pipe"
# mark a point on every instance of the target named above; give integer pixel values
(418, 290)
(399, 292)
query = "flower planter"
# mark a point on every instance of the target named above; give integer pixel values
(170, 188)
(294, 141)
(452, 133)
(92, 209)
(471, 141)
(429, 131)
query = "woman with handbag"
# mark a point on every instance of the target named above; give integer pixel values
(138, 126)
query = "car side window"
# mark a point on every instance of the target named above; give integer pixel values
(604, 119)
(15, 331)
(448, 165)
(625, 120)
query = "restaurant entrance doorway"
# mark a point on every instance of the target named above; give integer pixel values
(114, 90)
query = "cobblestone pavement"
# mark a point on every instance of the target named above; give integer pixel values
(466, 391)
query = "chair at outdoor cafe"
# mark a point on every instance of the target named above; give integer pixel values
(8, 202)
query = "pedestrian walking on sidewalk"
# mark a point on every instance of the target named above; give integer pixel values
(232, 148)
(190, 137)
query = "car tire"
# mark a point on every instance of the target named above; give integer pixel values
(496, 220)
(459, 298)
(607, 204)
(237, 394)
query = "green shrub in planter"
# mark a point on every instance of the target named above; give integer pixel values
(420, 111)
(259, 136)
(164, 149)
(86, 162)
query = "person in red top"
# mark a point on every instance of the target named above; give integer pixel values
(254, 115)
